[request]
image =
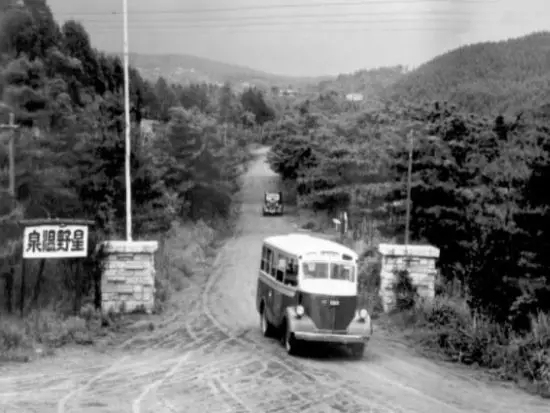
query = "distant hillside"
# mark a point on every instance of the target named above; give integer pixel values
(180, 68)
(492, 77)
(367, 82)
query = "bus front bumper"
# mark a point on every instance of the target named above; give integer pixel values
(331, 338)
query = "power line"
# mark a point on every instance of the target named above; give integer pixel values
(325, 29)
(287, 22)
(278, 6)
(365, 25)
(319, 25)
(424, 16)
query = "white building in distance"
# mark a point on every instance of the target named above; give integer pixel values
(354, 97)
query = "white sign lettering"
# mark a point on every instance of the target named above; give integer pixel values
(55, 241)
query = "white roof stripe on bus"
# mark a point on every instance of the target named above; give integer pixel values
(301, 244)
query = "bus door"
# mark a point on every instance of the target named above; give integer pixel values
(279, 268)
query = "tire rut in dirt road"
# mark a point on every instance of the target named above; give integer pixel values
(136, 405)
(63, 402)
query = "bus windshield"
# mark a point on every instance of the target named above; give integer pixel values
(320, 270)
(342, 272)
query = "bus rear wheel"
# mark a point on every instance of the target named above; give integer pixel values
(267, 328)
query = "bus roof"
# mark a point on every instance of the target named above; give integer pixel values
(301, 244)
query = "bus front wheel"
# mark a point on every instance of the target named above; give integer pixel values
(289, 341)
(357, 350)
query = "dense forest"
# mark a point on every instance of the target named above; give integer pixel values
(479, 122)
(67, 99)
(368, 82)
(492, 77)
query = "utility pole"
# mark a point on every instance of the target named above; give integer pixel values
(409, 185)
(127, 123)
(11, 127)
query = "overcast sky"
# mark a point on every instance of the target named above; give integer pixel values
(305, 37)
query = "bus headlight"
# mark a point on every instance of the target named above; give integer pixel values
(300, 311)
(363, 314)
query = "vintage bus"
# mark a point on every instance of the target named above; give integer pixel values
(307, 292)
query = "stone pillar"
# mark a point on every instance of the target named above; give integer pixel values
(128, 279)
(418, 260)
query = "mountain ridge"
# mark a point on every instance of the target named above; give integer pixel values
(491, 77)
(186, 68)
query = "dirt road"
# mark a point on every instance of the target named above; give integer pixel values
(209, 357)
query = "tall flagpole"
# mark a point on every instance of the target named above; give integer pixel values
(409, 185)
(127, 124)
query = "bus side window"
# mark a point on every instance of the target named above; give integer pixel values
(263, 263)
(291, 273)
(273, 264)
(268, 261)
(279, 267)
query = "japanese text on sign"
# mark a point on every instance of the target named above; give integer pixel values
(55, 241)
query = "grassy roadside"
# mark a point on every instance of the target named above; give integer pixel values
(446, 329)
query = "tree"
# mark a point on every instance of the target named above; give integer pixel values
(18, 32)
(194, 96)
(230, 108)
(76, 44)
(25, 90)
(253, 101)
(167, 99)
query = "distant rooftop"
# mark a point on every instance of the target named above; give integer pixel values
(354, 97)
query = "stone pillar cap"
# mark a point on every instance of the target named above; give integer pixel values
(132, 247)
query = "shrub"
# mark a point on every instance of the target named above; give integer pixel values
(186, 249)
(404, 290)
(449, 326)
(369, 286)
(20, 338)
(12, 336)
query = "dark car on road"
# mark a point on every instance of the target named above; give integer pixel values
(273, 203)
